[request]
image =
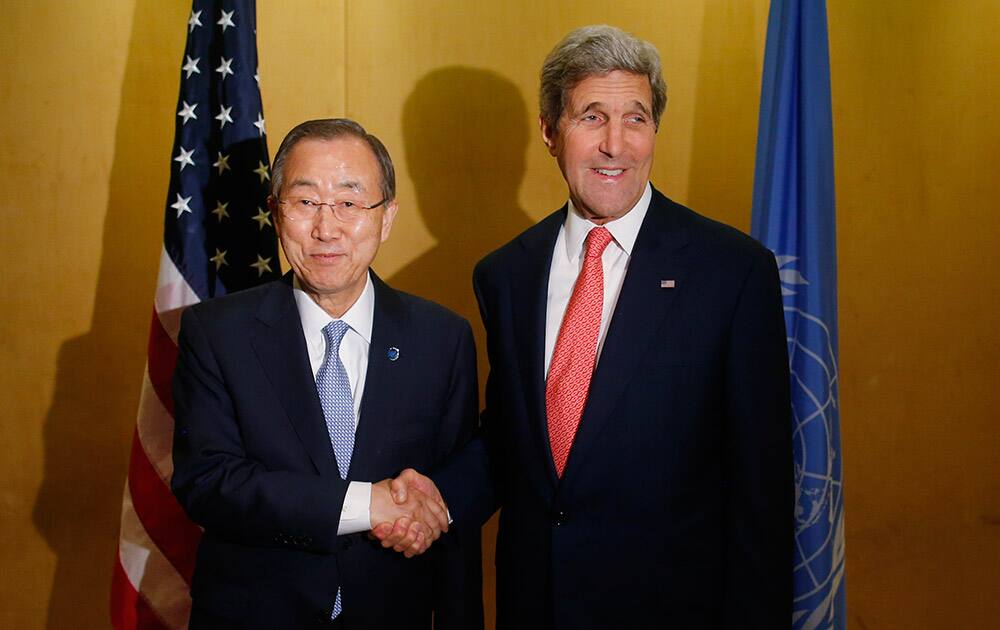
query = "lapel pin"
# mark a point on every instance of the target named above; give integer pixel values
(668, 284)
(393, 353)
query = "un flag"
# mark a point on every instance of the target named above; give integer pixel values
(794, 215)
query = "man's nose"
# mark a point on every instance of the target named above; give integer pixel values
(326, 225)
(613, 139)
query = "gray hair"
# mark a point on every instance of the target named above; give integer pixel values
(329, 129)
(597, 50)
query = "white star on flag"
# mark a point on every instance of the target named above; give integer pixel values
(260, 124)
(223, 162)
(187, 112)
(185, 158)
(220, 210)
(225, 67)
(219, 259)
(262, 171)
(262, 265)
(262, 218)
(224, 118)
(256, 77)
(226, 20)
(191, 66)
(181, 205)
(194, 21)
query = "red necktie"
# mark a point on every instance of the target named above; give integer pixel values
(576, 351)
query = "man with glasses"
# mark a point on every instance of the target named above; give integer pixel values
(296, 402)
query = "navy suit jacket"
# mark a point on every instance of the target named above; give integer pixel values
(253, 465)
(675, 507)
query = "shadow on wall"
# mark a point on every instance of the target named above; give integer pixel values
(99, 373)
(465, 131)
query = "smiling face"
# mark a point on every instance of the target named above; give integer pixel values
(330, 257)
(604, 143)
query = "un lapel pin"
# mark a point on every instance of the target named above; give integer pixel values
(393, 353)
(668, 284)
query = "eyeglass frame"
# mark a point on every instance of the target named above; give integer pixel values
(332, 205)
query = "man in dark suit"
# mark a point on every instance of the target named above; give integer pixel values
(636, 429)
(293, 397)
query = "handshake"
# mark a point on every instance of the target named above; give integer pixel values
(407, 513)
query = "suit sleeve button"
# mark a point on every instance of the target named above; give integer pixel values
(560, 517)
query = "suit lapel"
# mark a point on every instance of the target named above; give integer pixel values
(280, 346)
(641, 308)
(377, 402)
(529, 299)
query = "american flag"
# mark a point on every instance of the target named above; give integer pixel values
(218, 237)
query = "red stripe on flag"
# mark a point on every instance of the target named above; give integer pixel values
(166, 523)
(129, 609)
(161, 361)
(124, 599)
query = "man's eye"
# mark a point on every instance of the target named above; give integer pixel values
(307, 203)
(347, 204)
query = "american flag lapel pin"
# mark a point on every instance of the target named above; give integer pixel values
(668, 284)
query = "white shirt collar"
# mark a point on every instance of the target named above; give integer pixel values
(359, 317)
(624, 229)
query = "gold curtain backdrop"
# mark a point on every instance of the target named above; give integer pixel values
(87, 109)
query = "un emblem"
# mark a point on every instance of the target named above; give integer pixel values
(819, 518)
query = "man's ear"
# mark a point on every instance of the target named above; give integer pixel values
(548, 135)
(388, 216)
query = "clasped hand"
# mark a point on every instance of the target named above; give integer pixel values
(407, 513)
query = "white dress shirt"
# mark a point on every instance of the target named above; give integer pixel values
(567, 261)
(354, 517)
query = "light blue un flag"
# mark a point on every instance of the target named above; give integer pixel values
(793, 215)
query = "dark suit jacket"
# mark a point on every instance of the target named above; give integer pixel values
(253, 465)
(675, 509)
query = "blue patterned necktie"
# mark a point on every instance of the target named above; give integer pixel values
(335, 396)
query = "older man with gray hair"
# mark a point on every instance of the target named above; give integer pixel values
(636, 431)
(296, 401)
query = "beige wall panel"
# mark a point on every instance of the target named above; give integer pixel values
(917, 136)
(302, 53)
(82, 109)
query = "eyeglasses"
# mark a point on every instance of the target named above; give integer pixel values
(305, 209)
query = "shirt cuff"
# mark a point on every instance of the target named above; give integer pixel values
(355, 516)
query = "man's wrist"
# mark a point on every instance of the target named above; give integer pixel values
(355, 516)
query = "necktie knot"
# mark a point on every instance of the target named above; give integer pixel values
(334, 333)
(597, 241)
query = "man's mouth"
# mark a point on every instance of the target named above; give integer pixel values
(610, 172)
